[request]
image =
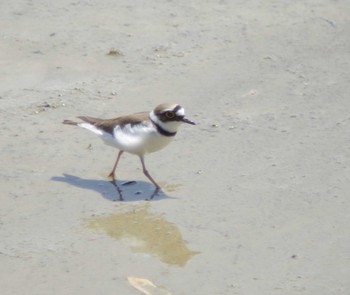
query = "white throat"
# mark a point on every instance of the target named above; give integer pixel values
(167, 126)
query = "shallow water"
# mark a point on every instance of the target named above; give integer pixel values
(145, 232)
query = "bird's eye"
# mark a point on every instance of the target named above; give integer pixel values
(170, 115)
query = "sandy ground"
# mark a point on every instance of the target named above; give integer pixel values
(256, 195)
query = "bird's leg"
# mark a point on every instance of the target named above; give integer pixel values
(154, 194)
(115, 165)
(147, 174)
(119, 191)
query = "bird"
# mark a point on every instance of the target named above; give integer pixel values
(138, 134)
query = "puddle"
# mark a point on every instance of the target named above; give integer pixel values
(145, 232)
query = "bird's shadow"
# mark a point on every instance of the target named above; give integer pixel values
(120, 190)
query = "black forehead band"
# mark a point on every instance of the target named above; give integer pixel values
(177, 108)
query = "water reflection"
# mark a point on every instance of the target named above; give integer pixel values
(146, 232)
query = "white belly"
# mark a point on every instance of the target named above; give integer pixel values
(135, 139)
(138, 140)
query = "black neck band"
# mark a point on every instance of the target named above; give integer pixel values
(162, 131)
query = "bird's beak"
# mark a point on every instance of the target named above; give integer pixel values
(185, 120)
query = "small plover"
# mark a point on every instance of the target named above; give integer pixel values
(139, 133)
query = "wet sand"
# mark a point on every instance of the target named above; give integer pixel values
(255, 195)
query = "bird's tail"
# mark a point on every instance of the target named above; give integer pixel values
(69, 122)
(87, 126)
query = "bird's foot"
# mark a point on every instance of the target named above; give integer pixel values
(157, 191)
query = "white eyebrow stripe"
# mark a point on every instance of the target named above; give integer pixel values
(180, 112)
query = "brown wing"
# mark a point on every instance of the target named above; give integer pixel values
(108, 125)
